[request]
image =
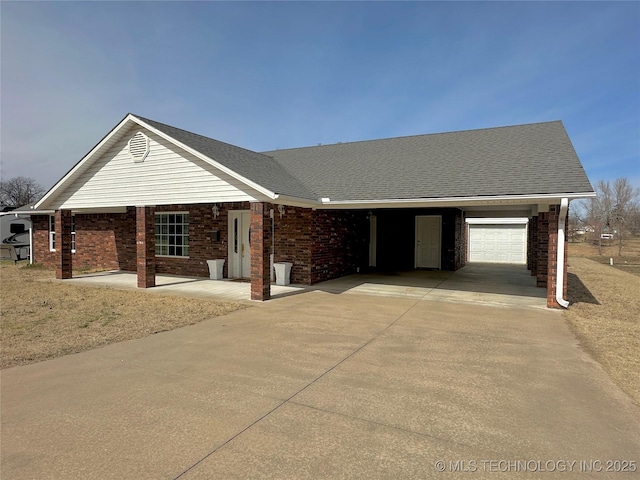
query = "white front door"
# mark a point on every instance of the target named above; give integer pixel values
(239, 245)
(428, 240)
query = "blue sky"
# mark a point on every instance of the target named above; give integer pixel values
(273, 75)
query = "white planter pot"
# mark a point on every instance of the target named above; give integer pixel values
(215, 269)
(283, 272)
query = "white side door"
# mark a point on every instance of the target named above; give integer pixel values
(239, 244)
(428, 241)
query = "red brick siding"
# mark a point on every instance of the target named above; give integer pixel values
(293, 241)
(41, 253)
(321, 244)
(103, 241)
(340, 243)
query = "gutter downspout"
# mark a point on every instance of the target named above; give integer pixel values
(564, 206)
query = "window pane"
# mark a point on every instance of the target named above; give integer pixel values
(172, 234)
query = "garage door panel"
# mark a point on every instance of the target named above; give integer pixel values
(497, 243)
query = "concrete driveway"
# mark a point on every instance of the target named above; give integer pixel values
(321, 385)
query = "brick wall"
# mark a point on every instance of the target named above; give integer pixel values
(293, 241)
(103, 241)
(321, 244)
(340, 243)
(108, 241)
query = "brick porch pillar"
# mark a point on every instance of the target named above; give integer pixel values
(64, 261)
(145, 247)
(260, 237)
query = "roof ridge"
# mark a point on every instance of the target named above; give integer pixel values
(414, 136)
(198, 134)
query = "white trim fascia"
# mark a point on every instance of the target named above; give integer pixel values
(264, 191)
(79, 211)
(295, 201)
(497, 221)
(454, 201)
(70, 174)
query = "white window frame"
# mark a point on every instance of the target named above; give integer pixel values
(52, 233)
(160, 245)
(73, 234)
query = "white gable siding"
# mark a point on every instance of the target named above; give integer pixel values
(168, 175)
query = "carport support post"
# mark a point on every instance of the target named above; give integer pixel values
(64, 261)
(552, 268)
(260, 237)
(146, 247)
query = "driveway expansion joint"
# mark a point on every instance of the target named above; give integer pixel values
(288, 400)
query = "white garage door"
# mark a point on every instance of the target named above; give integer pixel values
(498, 243)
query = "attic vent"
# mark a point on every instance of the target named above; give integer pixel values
(139, 147)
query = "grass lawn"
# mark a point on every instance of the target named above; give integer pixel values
(605, 316)
(41, 318)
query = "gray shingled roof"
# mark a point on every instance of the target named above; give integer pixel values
(525, 159)
(260, 169)
(518, 160)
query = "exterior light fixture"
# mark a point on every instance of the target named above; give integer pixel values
(216, 211)
(281, 210)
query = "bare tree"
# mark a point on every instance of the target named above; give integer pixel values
(624, 201)
(599, 211)
(18, 191)
(633, 219)
(612, 211)
(577, 221)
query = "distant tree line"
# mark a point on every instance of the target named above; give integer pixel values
(614, 213)
(18, 191)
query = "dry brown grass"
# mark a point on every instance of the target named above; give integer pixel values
(606, 319)
(628, 262)
(41, 318)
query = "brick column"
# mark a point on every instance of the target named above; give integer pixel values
(260, 249)
(145, 247)
(64, 261)
(552, 258)
(542, 257)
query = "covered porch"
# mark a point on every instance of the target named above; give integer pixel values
(488, 284)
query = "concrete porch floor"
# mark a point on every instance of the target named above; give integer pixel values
(488, 284)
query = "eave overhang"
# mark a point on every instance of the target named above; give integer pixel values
(460, 202)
